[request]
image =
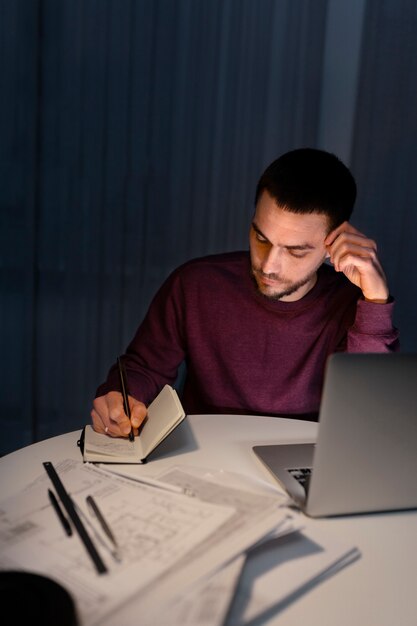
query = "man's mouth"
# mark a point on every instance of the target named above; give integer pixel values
(267, 279)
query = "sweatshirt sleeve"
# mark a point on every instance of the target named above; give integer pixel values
(373, 329)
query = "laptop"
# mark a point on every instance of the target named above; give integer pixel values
(365, 456)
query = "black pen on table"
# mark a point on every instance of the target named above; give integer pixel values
(92, 504)
(65, 523)
(125, 392)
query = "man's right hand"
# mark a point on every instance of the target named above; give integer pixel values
(108, 415)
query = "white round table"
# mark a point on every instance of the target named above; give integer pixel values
(376, 590)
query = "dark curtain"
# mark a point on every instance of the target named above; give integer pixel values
(133, 133)
(384, 154)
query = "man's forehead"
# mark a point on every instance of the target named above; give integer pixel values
(283, 227)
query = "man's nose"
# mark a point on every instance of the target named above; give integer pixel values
(272, 261)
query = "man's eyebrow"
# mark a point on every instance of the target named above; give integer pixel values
(303, 246)
(258, 230)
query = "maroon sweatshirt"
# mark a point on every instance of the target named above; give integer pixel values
(244, 353)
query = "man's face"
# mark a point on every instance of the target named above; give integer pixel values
(286, 250)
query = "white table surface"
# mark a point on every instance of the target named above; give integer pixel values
(380, 589)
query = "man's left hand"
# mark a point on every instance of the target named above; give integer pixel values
(355, 255)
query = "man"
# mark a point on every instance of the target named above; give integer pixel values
(255, 329)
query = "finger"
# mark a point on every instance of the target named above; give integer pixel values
(353, 238)
(100, 415)
(138, 412)
(97, 422)
(345, 230)
(347, 242)
(100, 406)
(366, 265)
(368, 275)
(115, 408)
(350, 251)
(344, 243)
(345, 227)
(110, 410)
(350, 261)
(122, 424)
(103, 425)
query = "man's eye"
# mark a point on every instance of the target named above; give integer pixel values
(260, 238)
(297, 255)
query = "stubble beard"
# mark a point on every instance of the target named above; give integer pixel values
(286, 291)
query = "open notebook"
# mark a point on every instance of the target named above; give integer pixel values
(165, 413)
(365, 457)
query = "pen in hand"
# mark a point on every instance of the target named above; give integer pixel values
(123, 384)
(65, 523)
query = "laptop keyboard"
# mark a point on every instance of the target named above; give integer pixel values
(302, 474)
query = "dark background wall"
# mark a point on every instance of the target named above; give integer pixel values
(132, 134)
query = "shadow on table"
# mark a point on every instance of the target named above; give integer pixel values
(181, 440)
(266, 558)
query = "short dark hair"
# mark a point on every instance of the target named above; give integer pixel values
(308, 180)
